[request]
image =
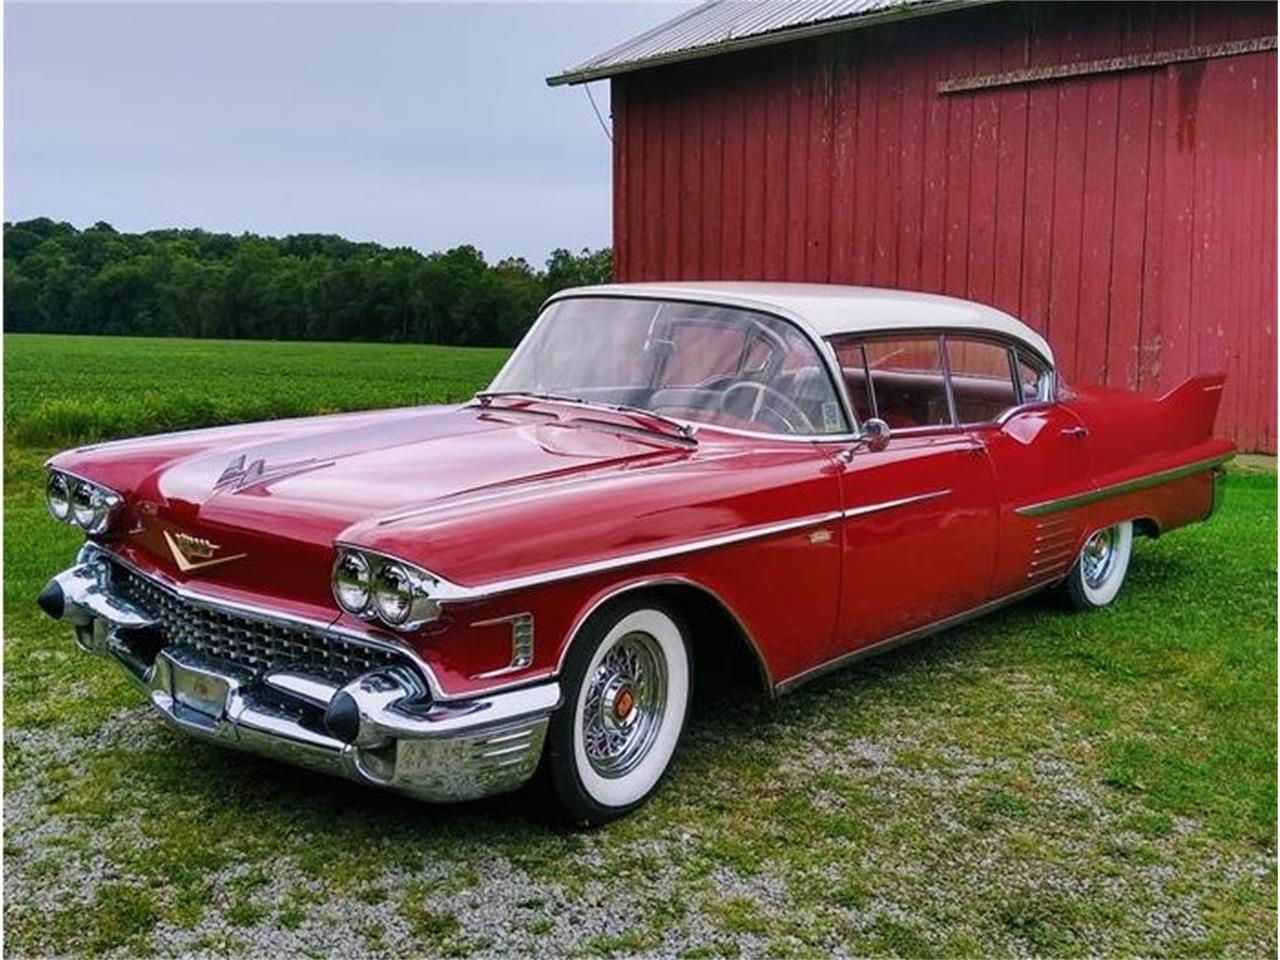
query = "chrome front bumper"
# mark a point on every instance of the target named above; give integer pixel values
(381, 728)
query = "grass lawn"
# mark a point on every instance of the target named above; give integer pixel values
(1034, 782)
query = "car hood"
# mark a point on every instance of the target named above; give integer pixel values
(267, 502)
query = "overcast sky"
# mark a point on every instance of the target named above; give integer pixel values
(425, 125)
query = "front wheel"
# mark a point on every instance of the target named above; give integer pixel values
(626, 681)
(1099, 571)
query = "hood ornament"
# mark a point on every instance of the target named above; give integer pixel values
(238, 475)
(195, 553)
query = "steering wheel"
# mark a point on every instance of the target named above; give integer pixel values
(779, 406)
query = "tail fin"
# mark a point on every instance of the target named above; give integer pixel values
(1194, 405)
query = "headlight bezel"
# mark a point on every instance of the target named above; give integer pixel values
(62, 495)
(363, 576)
(90, 506)
(422, 587)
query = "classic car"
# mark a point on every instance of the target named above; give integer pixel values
(446, 600)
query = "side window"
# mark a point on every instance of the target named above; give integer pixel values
(982, 383)
(1034, 380)
(908, 388)
(852, 357)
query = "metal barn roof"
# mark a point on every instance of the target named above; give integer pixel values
(723, 26)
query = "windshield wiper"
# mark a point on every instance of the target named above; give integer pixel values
(684, 430)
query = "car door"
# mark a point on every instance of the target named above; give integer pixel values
(918, 529)
(1006, 399)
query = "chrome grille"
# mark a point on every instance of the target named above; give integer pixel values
(259, 644)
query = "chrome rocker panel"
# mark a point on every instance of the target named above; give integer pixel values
(382, 728)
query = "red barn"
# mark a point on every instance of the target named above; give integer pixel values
(1106, 172)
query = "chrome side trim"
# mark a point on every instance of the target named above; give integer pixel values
(1119, 489)
(890, 504)
(496, 587)
(522, 640)
(884, 646)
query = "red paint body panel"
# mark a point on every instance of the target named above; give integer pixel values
(1129, 217)
(859, 546)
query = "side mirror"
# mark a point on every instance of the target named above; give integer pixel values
(875, 434)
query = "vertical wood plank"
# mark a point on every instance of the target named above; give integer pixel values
(984, 169)
(692, 113)
(1097, 224)
(799, 131)
(887, 171)
(670, 207)
(911, 147)
(870, 76)
(712, 185)
(1181, 106)
(755, 173)
(1133, 148)
(934, 195)
(654, 130)
(776, 165)
(844, 147)
(1042, 146)
(955, 280)
(732, 186)
(1011, 167)
(621, 222)
(1068, 204)
(817, 265)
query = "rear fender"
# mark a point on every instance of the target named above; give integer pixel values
(1190, 409)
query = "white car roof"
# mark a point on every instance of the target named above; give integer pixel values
(832, 309)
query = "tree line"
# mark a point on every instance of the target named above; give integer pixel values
(192, 283)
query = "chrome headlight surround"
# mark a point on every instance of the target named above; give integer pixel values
(398, 594)
(82, 503)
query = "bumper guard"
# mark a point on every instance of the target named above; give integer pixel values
(380, 728)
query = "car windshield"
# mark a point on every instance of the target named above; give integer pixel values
(699, 362)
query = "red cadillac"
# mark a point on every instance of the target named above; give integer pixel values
(441, 599)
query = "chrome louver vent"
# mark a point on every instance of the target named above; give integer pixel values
(1053, 549)
(259, 644)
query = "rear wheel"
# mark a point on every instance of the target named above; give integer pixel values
(626, 681)
(1099, 571)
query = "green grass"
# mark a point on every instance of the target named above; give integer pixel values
(62, 390)
(1034, 782)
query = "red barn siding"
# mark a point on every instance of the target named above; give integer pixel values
(1129, 216)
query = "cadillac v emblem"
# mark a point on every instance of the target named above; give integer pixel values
(195, 553)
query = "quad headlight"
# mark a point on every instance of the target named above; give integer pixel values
(90, 506)
(373, 586)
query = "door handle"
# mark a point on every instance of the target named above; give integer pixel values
(1074, 432)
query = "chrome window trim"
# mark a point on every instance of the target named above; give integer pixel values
(999, 339)
(1141, 482)
(826, 356)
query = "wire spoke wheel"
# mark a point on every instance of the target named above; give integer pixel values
(1099, 557)
(625, 700)
(1099, 571)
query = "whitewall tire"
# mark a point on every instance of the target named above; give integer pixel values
(1099, 571)
(627, 682)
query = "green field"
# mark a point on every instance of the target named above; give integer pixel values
(1036, 782)
(64, 390)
